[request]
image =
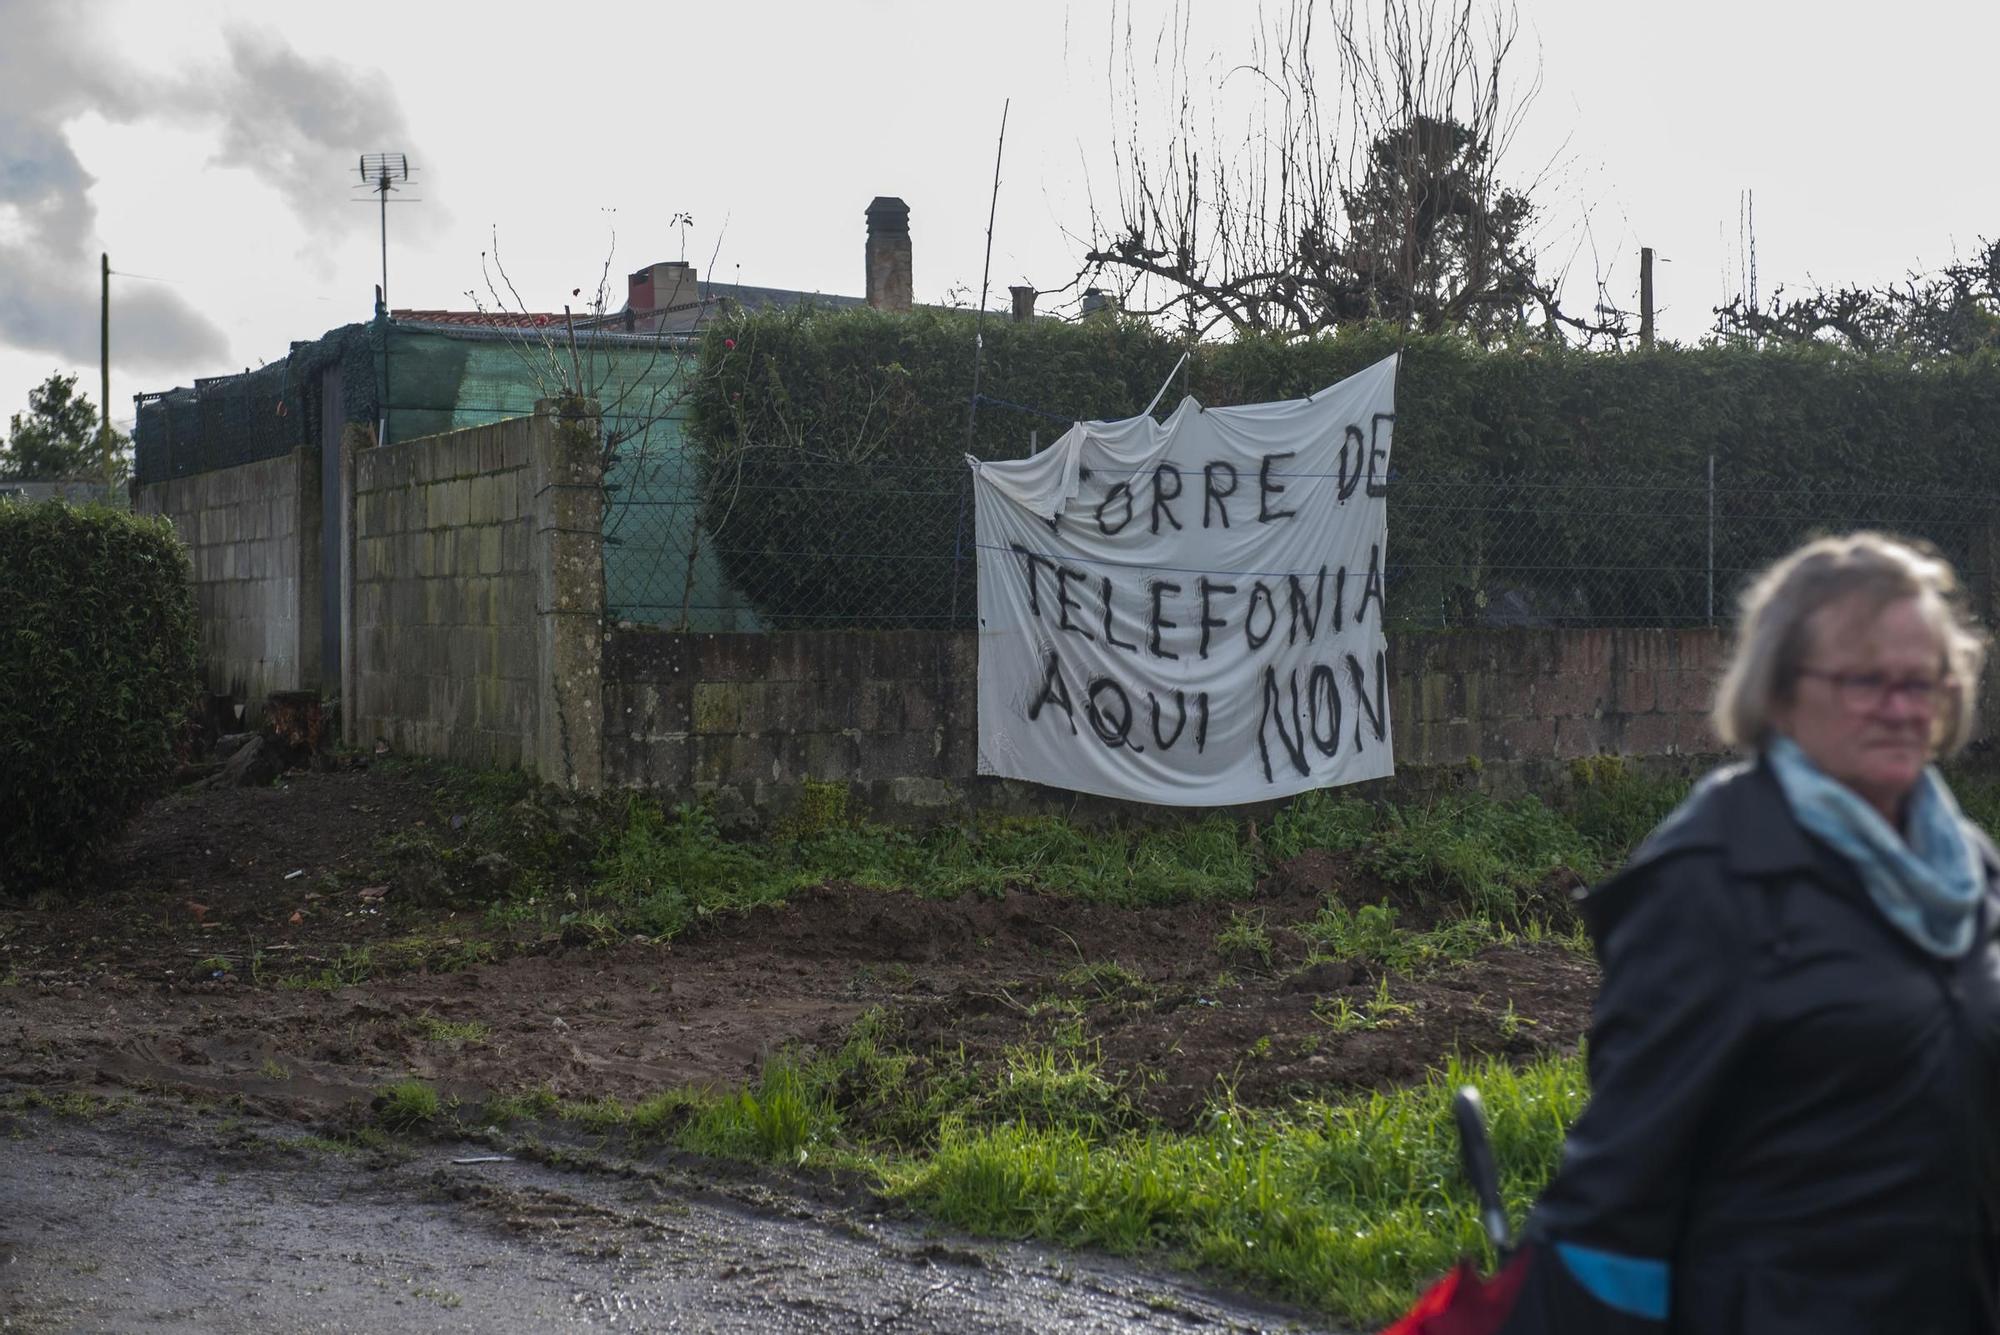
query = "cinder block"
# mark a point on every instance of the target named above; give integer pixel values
(1523, 739)
(1576, 695)
(1581, 736)
(1636, 691)
(1650, 735)
(888, 755)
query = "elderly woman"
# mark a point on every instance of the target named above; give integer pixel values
(1795, 1056)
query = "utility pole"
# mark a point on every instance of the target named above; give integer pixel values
(104, 366)
(1645, 296)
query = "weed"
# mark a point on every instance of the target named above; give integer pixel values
(455, 1032)
(663, 872)
(530, 1106)
(273, 1069)
(1340, 1015)
(355, 965)
(1614, 808)
(74, 1104)
(598, 1116)
(1245, 939)
(406, 1104)
(822, 809)
(320, 1145)
(662, 1113)
(1511, 1021)
(779, 1120)
(1370, 933)
(1384, 1010)
(1485, 854)
(1107, 978)
(1045, 1087)
(1318, 819)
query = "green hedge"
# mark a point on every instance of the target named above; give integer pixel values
(97, 677)
(831, 444)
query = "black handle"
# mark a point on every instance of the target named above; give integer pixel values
(1481, 1169)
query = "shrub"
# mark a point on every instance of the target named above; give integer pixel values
(97, 677)
(832, 448)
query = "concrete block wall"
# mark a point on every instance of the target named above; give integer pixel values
(475, 596)
(253, 537)
(1522, 695)
(894, 714)
(444, 595)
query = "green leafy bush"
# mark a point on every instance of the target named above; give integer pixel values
(97, 678)
(831, 445)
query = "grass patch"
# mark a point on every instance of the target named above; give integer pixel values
(1370, 933)
(782, 1119)
(456, 1033)
(356, 964)
(1487, 856)
(1349, 1207)
(664, 871)
(528, 1106)
(406, 1105)
(599, 873)
(1245, 940)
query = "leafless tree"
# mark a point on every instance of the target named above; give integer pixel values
(638, 383)
(1362, 182)
(1953, 311)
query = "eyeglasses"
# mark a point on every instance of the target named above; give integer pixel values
(1863, 691)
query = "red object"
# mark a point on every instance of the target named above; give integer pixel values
(1464, 1304)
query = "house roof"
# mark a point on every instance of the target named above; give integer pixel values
(707, 301)
(483, 319)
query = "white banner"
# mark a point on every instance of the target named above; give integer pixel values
(1190, 613)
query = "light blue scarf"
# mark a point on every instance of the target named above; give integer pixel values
(1928, 887)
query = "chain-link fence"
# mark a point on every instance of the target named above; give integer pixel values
(781, 544)
(220, 423)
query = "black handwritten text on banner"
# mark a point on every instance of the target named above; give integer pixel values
(1190, 612)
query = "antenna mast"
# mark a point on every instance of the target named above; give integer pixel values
(380, 172)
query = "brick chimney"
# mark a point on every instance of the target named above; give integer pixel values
(889, 282)
(1024, 303)
(660, 286)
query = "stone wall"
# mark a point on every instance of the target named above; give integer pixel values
(475, 597)
(253, 537)
(748, 717)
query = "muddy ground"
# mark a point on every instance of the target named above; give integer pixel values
(258, 946)
(181, 1220)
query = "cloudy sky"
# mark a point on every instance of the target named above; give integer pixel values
(210, 147)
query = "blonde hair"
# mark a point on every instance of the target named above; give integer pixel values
(1774, 632)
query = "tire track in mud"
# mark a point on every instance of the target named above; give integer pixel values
(181, 1221)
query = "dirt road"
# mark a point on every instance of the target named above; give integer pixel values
(156, 1217)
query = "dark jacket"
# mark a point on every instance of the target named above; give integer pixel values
(1794, 1111)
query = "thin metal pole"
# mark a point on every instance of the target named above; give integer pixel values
(104, 358)
(382, 190)
(979, 322)
(1711, 539)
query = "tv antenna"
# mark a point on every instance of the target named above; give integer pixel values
(379, 173)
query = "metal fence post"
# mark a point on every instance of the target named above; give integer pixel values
(958, 541)
(1711, 538)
